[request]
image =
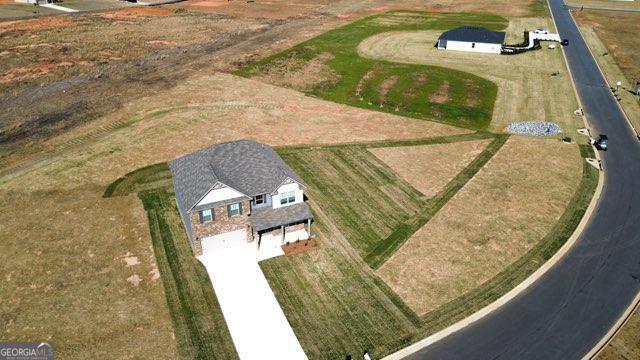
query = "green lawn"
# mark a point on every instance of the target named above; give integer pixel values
(374, 208)
(468, 101)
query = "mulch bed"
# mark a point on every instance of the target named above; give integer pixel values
(299, 247)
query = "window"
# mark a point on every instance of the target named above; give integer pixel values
(234, 210)
(287, 197)
(259, 199)
(473, 45)
(206, 216)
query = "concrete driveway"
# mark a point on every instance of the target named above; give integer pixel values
(255, 320)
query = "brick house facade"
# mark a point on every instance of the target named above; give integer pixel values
(239, 191)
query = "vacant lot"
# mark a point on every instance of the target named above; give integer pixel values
(613, 39)
(428, 168)
(282, 9)
(329, 67)
(495, 219)
(531, 86)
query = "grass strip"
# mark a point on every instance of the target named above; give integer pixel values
(199, 326)
(152, 176)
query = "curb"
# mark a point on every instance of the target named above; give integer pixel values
(615, 329)
(529, 280)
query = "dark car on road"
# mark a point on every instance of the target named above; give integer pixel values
(602, 143)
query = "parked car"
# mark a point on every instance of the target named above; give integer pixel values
(565, 42)
(540, 31)
(602, 143)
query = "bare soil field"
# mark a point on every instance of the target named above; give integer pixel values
(613, 39)
(282, 9)
(527, 88)
(428, 168)
(500, 214)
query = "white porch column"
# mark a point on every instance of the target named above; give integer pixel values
(309, 227)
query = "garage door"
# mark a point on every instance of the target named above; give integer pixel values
(224, 241)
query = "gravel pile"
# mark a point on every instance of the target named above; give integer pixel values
(534, 128)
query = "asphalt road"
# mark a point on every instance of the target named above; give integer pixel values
(570, 308)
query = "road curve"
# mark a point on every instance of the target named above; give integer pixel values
(572, 306)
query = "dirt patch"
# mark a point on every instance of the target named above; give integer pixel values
(363, 81)
(160, 43)
(441, 95)
(32, 72)
(134, 13)
(302, 75)
(130, 260)
(386, 85)
(35, 24)
(299, 247)
(134, 279)
(508, 207)
(273, 9)
(428, 168)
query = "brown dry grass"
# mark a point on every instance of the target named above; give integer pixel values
(204, 110)
(605, 4)
(428, 168)
(613, 39)
(501, 213)
(526, 89)
(65, 246)
(64, 275)
(626, 344)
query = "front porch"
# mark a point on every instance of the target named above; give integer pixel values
(273, 228)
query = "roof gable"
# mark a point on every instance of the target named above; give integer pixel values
(247, 166)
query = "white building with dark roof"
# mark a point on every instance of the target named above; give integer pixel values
(239, 191)
(473, 39)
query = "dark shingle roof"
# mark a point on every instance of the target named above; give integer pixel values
(473, 34)
(268, 217)
(247, 166)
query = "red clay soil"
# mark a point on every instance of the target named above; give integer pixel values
(299, 247)
(135, 12)
(36, 24)
(31, 72)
